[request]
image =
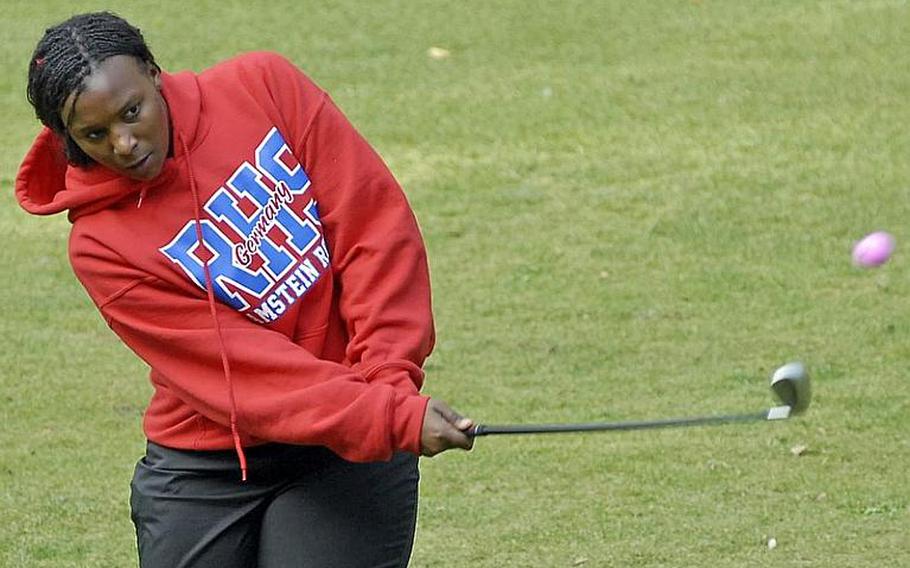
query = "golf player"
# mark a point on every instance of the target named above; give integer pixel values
(237, 234)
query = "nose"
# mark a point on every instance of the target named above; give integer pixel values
(122, 141)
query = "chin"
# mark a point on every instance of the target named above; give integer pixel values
(148, 177)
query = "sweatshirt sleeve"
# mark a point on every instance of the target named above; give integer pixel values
(283, 393)
(377, 250)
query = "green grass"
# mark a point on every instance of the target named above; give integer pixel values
(633, 210)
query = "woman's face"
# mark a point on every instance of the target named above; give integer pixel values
(120, 119)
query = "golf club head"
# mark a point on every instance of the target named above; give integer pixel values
(791, 385)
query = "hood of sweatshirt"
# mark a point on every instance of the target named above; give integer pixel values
(46, 184)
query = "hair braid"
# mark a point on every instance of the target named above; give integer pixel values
(67, 54)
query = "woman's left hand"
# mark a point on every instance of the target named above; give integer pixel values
(444, 429)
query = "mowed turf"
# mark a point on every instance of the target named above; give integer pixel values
(633, 210)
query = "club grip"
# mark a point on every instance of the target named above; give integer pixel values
(477, 430)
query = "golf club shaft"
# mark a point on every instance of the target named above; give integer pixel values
(776, 413)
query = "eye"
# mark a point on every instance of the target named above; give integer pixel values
(94, 135)
(132, 113)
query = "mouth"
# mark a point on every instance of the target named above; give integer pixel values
(138, 164)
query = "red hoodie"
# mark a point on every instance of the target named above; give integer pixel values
(321, 315)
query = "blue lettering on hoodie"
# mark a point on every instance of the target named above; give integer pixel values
(264, 250)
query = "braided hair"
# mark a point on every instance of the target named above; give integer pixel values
(67, 54)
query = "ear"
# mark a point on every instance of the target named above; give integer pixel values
(155, 73)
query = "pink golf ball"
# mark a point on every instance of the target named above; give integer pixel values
(873, 250)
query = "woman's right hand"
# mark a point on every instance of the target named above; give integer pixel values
(444, 429)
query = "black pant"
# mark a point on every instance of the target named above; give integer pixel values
(302, 507)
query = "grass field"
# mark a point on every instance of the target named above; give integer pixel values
(633, 210)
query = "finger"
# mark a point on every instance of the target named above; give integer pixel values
(460, 440)
(446, 412)
(468, 443)
(453, 417)
(464, 424)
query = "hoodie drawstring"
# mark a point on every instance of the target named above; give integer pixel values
(225, 363)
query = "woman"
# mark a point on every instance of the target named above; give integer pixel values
(240, 237)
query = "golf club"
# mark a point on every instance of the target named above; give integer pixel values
(790, 383)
